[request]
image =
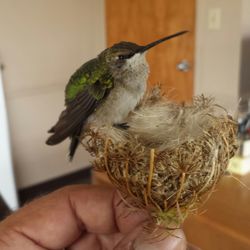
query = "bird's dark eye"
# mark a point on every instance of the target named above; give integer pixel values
(121, 57)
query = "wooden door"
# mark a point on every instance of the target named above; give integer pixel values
(143, 21)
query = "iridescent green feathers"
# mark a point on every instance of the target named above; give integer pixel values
(92, 76)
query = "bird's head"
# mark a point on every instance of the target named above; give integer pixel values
(129, 57)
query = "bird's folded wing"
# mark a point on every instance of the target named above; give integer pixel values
(75, 115)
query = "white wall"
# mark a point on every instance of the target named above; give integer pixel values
(244, 90)
(7, 180)
(245, 17)
(217, 64)
(42, 42)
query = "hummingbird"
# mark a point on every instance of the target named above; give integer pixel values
(103, 91)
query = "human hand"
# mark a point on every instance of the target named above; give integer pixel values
(80, 217)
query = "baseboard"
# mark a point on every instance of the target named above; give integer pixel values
(4, 210)
(29, 193)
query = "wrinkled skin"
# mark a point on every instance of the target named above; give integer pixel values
(80, 217)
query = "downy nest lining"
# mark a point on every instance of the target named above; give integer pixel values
(171, 157)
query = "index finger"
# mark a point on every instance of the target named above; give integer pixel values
(58, 219)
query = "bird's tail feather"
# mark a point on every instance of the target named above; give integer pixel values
(75, 139)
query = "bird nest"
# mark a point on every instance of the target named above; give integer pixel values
(169, 159)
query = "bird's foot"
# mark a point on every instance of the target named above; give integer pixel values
(123, 125)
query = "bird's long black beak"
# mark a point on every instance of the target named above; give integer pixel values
(151, 45)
